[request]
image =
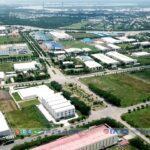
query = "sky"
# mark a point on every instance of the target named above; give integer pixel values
(66, 1)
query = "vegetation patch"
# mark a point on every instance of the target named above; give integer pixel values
(138, 118)
(29, 103)
(16, 96)
(6, 66)
(143, 74)
(29, 117)
(121, 90)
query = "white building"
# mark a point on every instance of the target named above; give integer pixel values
(60, 35)
(111, 40)
(55, 103)
(96, 138)
(125, 39)
(120, 57)
(90, 63)
(105, 59)
(140, 54)
(4, 128)
(2, 75)
(26, 66)
(101, 48)
(74, 51)
(114, 47)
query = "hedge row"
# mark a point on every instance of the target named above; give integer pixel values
(107, 96)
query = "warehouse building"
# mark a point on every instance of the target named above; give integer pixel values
(26, 66)
(14, 49)
(55, 103)
(106, 60)
(4, 128)
(113, 47)
(111, 40)
(90, 63)
(101, 48)
(95, 138)
(120, 57)
(140, 54)
(60, 35)
(125, 39)
(74, 51)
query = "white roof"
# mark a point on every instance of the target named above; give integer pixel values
(2, 28)
(26, 66)
(86, 49)
(146, 43)
(120, 57)
(69, 107)
(92, 64)
(2, 75)
(126, 39)
(110, 40)
(73, 50)
(139, 54)
(47, 96)
(100, 47)
(113, 46)
(105, 59)
(60, 35)
(3, 124)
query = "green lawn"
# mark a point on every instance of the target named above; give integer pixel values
(144, 74)
(81, 35)
(77, 44)
(11, 40)
(144, 60)
(29, 117)
(138, 118)
(130, 90)
(29, 103)
(16, 96)
(6, 67)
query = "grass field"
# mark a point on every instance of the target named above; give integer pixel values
(16, 96)
(138, 118)
(29, 117)
(144, 60)
(6, 67)
(29, 103)
(77, 44)
(130, 90)
(11, 40)
(81, 35)
(144, 74)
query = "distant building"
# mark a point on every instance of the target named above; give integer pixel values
(60, 35)
(90, 63)
(95, 138)
(105, 60)
(26, 66)
(140, 54)
(122, 58)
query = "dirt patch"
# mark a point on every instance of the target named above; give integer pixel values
(6, 103)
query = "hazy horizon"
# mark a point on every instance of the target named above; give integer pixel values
(72, 1)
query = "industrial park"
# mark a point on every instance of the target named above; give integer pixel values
(74, 77)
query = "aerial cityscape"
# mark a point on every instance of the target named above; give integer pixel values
(74, 75)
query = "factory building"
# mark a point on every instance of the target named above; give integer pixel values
(4, 128)
(120, 57)
(55, 103)
(91, 64)
(26, 66)
(95, 138)
(105, 60)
